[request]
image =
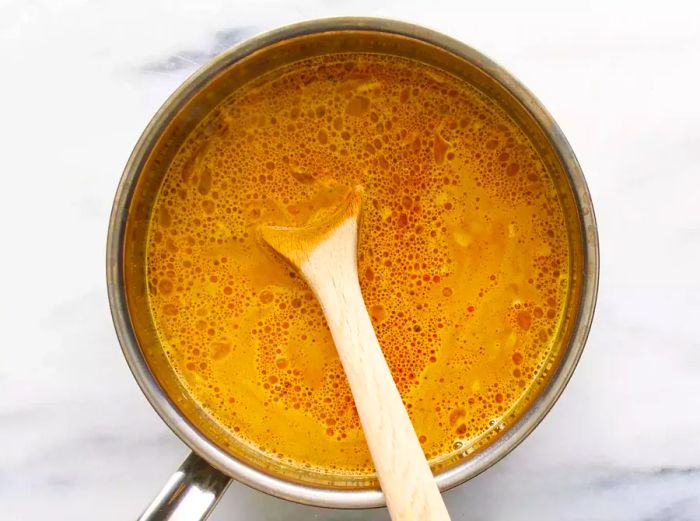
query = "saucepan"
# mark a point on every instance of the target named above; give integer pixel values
(196, 487)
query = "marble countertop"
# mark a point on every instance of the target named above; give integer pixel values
(80, 80)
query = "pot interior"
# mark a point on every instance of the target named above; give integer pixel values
(191, 105)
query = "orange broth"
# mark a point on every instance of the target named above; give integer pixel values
(463, 257)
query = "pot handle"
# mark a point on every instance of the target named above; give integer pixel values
(190, 494)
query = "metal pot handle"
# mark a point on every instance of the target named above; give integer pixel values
(190, 494)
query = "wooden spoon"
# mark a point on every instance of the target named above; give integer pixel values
(325, 253)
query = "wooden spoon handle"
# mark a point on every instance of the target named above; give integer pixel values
(404, 475)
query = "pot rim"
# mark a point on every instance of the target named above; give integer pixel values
(237, 469)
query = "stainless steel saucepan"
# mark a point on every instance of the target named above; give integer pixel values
(217, 459)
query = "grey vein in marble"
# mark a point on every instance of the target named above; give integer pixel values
(187, 60)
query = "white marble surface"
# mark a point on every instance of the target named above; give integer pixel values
(79, 81)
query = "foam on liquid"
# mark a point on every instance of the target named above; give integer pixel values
(463, 257)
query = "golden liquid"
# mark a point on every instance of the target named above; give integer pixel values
(463, 257)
